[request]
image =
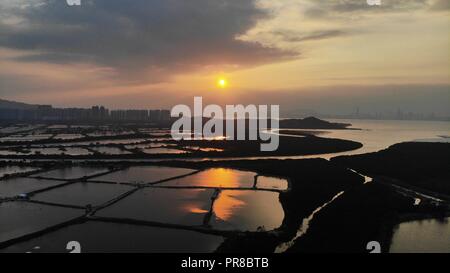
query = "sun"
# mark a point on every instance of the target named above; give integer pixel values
(222, 82)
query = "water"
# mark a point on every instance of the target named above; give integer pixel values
(25, 137)
(110, 150)
(144, 174)
(174, 206)
(8, 152)
(305, 226)
(424, 236)
(8, 170)
(99, 237)
(82, 194)
(45, 151)
(15, 186)
(216, 177)
(18, 128)
(68, 136)
(20, 218)
(57, 126)
(146, 145)
(76, 151)
(130, 141)
(376, 135)
(233, 209)
(247, 211)
(71, 172)
(120, 141)
(9, 130)
(265, 182)
(155, 151)
(197, 148)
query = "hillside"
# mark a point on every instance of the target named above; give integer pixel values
(6, 104)
(311, 123)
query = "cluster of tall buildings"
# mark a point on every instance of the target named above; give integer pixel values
(95, 113)
(399, 114)
(140, 115)
(370, 114)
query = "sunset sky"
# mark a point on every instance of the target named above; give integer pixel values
(326, 55)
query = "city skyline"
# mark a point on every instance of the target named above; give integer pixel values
(94, 113)
(19, 111)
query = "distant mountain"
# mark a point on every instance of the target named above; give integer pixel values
(6, 104)
(311, 123)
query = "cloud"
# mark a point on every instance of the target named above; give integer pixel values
(156, 38)
(125, 53)
(290, 36)
(441, 5)
(297, 21)
(330, 8)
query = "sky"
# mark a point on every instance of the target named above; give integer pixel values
(327, 56)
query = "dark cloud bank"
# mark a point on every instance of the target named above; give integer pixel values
(141, 36)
